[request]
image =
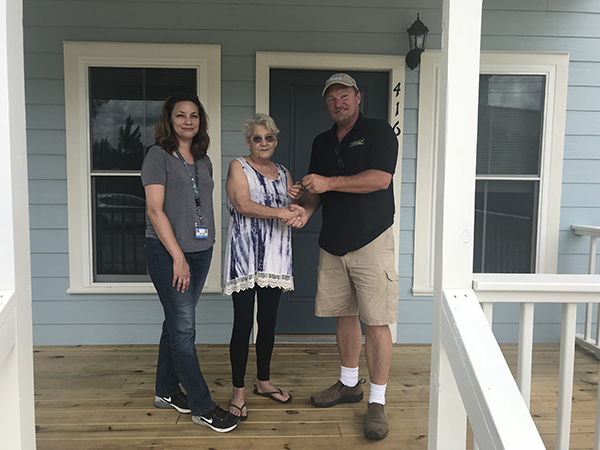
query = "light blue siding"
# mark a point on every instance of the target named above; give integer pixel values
(360, 26)
(118, 334)
(584, 147)
(48, 192)
(581, 195)
(47, 216)
(583, 122)
(46, 117)
(123, 312)
(237, 93)
(584, 74)
(46, 142)
(409, 146)
(44, 66)
(581, 171)
(45, 91)
(49, 241)
(407, 218)
(50, 264)
(585, 215)
(585, 6)
(232, 117)
(584, 98)
(47, 167)
(409, 170)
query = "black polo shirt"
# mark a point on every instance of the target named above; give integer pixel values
(351, 221)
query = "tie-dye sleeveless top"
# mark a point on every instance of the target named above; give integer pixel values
(259, 251)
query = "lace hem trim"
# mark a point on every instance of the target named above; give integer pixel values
(284, 282)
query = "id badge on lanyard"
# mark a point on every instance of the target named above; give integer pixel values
(201, 230)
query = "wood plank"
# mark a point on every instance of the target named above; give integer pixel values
(257, 414)
(233, 442)
(100, 397)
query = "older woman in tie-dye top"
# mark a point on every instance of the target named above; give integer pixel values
(258, 259)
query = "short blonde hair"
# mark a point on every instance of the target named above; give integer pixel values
(259, 119)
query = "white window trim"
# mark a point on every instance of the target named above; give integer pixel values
(555, 67)
(78, 57)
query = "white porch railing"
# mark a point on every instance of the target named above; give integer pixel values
(585, 339)
(499, 422)
(498, 415)
(9, 377)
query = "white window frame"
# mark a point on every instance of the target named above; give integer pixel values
(78, 57)
(554, 66)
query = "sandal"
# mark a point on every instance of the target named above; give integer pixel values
(271, 395)
(241, 408)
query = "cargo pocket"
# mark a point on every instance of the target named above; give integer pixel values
(392, 291)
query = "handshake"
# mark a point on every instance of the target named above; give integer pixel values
(294, 216)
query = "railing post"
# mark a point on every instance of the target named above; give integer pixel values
(488, 311)
(589, 310)
(565, 376)
(525, 351)
(17, 422)
(597, 426)
(585, 340)
(455, 197)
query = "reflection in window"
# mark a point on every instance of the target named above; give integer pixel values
(124, 107)
(509, 146)
(505, 226)
(119, 220)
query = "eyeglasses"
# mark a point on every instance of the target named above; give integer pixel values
(340, 161)
(258, 139)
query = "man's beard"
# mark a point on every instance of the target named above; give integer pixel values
(342, 116)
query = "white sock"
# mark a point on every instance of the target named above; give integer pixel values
(377, 393)
(349, 376)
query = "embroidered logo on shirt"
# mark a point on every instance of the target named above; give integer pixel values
(355, 143)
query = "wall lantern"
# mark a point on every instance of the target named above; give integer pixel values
(417, 39)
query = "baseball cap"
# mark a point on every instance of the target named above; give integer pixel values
(340, 78)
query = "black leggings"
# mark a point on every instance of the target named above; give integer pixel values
(243, 317)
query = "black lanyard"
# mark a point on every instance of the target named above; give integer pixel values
(194, 184)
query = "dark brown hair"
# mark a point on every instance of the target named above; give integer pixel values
(163, 131)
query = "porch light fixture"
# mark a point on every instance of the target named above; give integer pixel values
(417, 39)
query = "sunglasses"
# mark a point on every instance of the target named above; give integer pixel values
(340, 161)
(258, 139)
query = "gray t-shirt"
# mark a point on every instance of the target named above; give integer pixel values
(160, 167)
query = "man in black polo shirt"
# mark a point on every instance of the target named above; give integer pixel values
(350, 174)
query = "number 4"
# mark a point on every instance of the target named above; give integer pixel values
(397, 89)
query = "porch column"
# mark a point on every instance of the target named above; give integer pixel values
(17, 424)
(453, 259)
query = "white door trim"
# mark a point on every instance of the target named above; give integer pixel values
(339, 62)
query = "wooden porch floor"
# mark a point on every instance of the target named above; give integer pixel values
(100, 397)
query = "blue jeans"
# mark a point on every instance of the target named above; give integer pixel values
(177, 357)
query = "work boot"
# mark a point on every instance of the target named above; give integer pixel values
(338, 393)
(376, 424)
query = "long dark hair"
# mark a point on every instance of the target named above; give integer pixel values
(163, 131)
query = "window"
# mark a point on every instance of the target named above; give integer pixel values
(124, 106)
(509, 144)
(522, 106)
(114, 94)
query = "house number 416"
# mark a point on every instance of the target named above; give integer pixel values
(396, 125)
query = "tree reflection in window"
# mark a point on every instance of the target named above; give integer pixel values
(128, 154)
(124, 107)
